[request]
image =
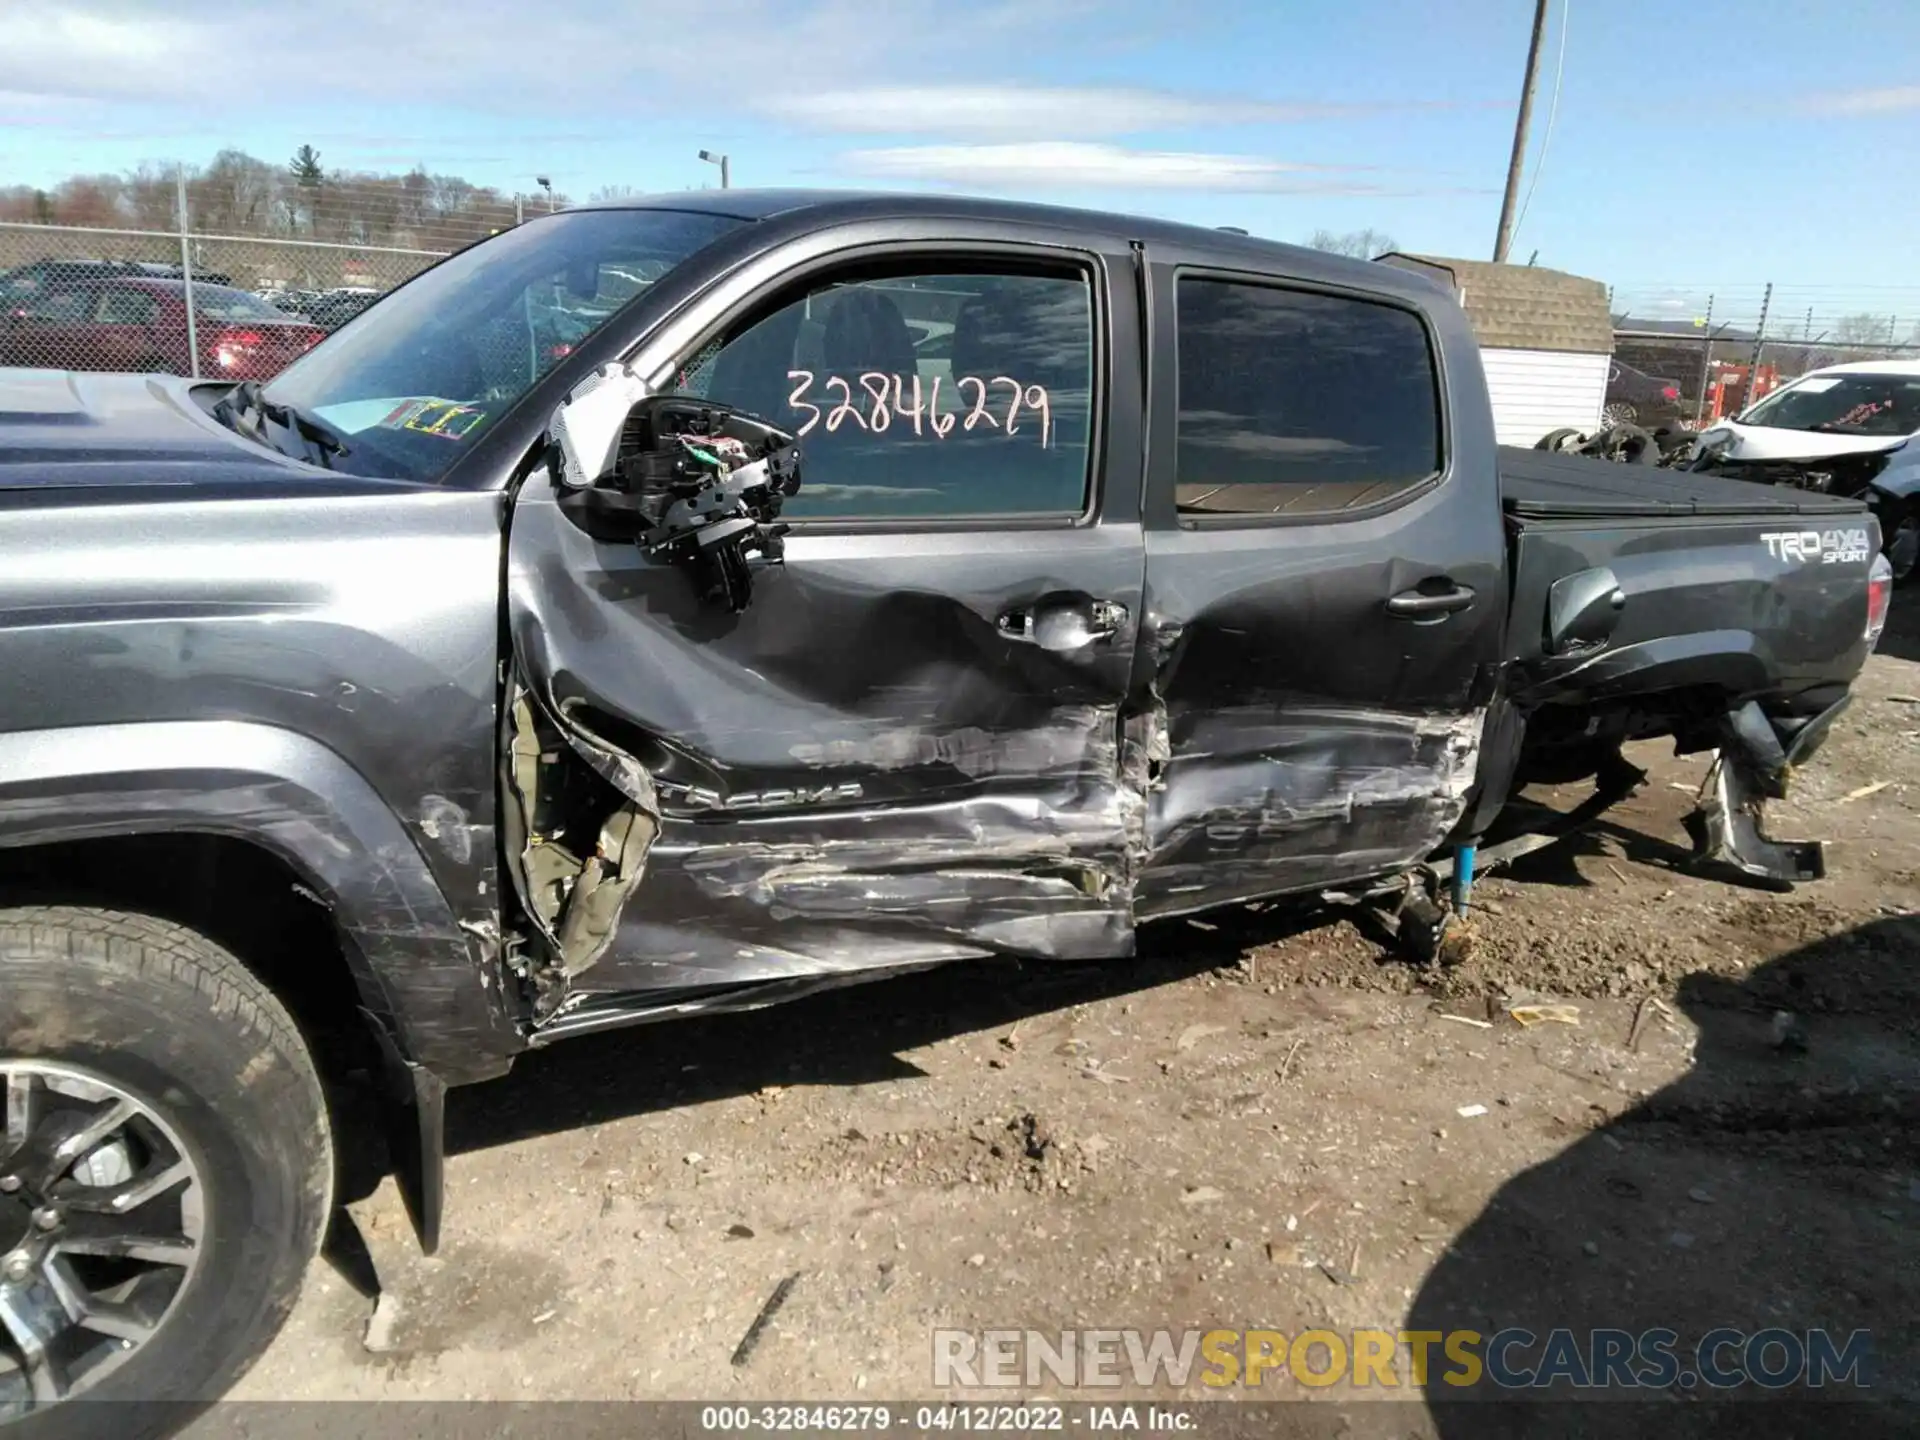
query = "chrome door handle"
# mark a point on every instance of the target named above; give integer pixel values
(1064, 627)
(1430, 605)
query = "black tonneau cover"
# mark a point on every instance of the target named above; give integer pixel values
(1544, 485)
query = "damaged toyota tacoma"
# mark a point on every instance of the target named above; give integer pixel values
(687, 604)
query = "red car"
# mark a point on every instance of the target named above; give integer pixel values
(141, 324)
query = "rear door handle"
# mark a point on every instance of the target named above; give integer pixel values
(1064, 627)
(1430, 604)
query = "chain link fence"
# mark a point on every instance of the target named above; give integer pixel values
(235, 268)
(223, 281)
(1688, 356)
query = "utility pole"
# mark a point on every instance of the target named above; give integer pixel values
(1518, 162)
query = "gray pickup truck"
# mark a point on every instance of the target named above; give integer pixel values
(690, 603)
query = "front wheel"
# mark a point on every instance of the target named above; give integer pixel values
(165, 1175)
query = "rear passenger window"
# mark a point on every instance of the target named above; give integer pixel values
(934, 393)
(124, 307)
(1295, 403)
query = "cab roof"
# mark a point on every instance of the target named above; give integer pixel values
(831, 206)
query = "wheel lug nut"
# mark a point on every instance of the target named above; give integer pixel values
(9, 1184)
(46, 1218)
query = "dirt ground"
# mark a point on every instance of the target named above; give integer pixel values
(1267, 1120)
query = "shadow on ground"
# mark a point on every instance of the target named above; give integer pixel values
(1772, 1188)
(1901, 639)
(853, 1036)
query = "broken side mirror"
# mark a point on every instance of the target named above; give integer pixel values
(1583, 610)
(694, 483)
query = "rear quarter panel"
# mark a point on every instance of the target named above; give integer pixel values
(1750, 606)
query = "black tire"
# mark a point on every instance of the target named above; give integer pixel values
(180, 1027)
(1557, 439)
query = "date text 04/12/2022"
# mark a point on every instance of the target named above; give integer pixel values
(949, 1418)
(883, 400)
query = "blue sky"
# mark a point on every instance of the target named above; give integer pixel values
(1717, 144)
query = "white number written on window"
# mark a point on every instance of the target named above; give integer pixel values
(876, 402)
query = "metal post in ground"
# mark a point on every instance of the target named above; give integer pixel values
(1759, 347)
(186, 270)
(1706, 370)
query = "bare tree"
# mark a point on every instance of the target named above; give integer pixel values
(235, 195)
(613, 192)
(151, 197)
(1360, 244)
(92, 200)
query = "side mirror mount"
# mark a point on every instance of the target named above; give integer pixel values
(1583, 610)
(690, 482)
(585, 430)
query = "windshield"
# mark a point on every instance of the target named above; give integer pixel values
(1843, 405)
(412, 382)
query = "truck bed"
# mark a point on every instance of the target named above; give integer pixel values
(1738, 588)
(1542, 485)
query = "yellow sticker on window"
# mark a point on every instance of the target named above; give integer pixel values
(449, 419)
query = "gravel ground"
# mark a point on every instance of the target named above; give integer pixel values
(1257, 1123)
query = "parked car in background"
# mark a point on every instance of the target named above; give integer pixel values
(129, 323)
(1637, 398)
(1851, 430)
(23, 284)
(170, 270)
(291, 301)
(334, 308)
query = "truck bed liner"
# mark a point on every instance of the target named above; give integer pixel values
(1543, 485)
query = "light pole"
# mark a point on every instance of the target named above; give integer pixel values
(547, 185)
(721, 161)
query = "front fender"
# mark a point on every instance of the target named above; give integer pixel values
(434, 986)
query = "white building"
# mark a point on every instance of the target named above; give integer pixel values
(1546, 340)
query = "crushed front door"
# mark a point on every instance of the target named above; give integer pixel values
(907, 747)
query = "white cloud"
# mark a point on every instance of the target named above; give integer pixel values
(1092, 166)
(1025, 111)
(1889, 100)
(599, 54)
(606, 56)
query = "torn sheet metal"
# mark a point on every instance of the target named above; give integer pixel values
(859, 772)
(578, 820)
(1726, 828)
(1292, 796)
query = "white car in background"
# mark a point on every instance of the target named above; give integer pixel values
(1847, 430)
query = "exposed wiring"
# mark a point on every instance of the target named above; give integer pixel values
(1553, 109)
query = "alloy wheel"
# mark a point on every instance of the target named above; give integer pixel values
(102, 1218)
